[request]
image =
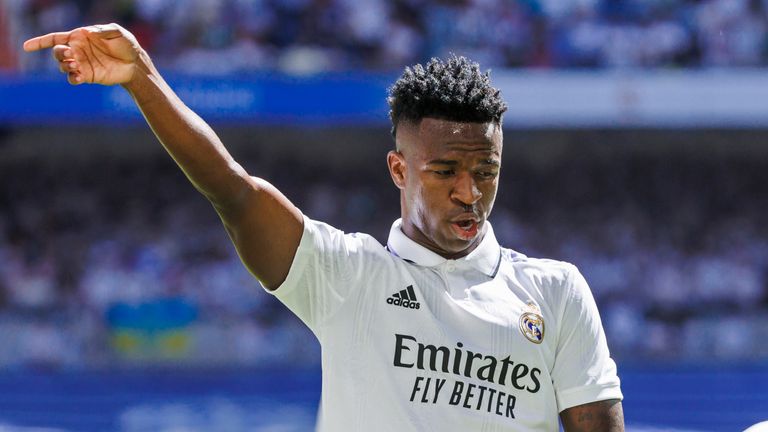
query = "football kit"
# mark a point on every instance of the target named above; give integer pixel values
(412, 341)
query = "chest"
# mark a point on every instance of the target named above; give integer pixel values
(455, 320)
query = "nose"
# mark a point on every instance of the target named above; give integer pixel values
(465, 189)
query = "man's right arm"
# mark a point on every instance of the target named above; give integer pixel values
(263, 224)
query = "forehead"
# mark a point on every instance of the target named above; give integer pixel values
(432, 135)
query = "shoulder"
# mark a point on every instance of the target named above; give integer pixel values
(326, 238)
(542, 270)
(551, 281)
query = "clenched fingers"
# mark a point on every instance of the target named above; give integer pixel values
(62, 53)
(75, 78)
(67, 66)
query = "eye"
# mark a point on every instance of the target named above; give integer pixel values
(444, 173)
(487, 174)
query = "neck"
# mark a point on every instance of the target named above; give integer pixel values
(414, 233)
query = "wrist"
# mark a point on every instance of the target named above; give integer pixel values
(143, 70)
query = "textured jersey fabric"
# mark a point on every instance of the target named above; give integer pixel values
(411, 341)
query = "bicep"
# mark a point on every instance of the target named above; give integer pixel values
(266, 229)
(602, 416)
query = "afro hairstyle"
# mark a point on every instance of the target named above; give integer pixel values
(454, 89)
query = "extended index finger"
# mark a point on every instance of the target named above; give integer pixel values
(47, 41)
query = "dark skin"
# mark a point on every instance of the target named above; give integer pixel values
(443, 168)
(447, 173)
(600, 416)
(264, 225)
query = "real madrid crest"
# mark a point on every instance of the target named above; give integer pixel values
(532, 323)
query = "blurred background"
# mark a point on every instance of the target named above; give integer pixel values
(636, 147)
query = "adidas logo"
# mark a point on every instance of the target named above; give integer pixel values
(405, 298)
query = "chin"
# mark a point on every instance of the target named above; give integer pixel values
(458, 248)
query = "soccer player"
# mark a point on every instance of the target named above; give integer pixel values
(442, 329)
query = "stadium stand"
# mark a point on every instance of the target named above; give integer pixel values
(312, 36)
(672, 242)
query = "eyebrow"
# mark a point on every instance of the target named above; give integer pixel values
(442, 162)
(453, 162)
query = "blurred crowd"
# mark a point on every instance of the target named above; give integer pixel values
(674, 248)
(314, 36)
(118, 262)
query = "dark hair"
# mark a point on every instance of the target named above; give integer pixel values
(453, 89)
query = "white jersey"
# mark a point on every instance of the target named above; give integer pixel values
(411, 341)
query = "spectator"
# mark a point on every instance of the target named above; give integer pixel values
(314, 36)
(664, 268)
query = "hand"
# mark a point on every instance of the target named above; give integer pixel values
(101, 54)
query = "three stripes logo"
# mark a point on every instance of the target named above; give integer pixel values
(405, 298)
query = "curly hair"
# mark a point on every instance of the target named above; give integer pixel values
(454, 89)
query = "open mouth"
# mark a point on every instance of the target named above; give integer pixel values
(466, 229)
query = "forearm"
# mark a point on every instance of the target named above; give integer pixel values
(188, 139)
(264, 225)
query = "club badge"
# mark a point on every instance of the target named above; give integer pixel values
(532, 323)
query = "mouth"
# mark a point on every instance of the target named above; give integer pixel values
(466, 229)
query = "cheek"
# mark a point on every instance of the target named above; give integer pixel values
(421, 202)
(413, 193)
(426, 202)
(489, 196)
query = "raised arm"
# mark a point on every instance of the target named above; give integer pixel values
(262, 223)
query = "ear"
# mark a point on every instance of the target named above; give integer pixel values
(397, 168)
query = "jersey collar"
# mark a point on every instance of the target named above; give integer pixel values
(485, 258)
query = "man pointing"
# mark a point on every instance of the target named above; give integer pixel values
(442, 329)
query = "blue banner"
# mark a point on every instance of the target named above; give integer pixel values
(342, 99)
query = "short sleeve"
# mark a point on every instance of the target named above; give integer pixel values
(323, 273)
(583, 371)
